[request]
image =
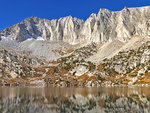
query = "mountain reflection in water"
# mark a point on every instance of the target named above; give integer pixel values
(75, 100)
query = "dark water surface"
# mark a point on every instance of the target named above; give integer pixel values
(75, 100)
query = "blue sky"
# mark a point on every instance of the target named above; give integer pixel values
(14, 11)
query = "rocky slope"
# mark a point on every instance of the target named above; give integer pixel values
(129, 67)
(15, 67)
(109, 48)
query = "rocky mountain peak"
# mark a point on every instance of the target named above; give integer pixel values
(102, 27)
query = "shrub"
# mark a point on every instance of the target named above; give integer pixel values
(100, 78)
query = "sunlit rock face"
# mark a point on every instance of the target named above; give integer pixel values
(102, 27)
(65, 29)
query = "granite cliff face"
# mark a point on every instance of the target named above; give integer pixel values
(65, 29)
(102, 27)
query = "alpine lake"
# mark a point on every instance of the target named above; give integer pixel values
(113, 99)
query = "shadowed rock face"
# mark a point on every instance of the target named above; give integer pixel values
(101, 27)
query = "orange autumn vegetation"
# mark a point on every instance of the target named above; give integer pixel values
(85, 77)
(51, 70)
(54, 62)
(100, 68)
(64, 72)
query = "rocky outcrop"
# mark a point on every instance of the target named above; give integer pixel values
(102, 27)
(14, 65)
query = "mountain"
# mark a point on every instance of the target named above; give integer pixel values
(101, 27)
(97, 51)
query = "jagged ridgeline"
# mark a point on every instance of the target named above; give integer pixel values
(109, 48)
(101, 27)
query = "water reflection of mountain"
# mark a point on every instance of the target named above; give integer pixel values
(72, 100)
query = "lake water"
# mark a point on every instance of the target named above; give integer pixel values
(75, 100)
